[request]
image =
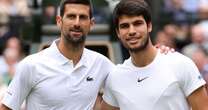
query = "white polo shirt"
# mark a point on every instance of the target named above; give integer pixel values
(48, 81)
(164, 84)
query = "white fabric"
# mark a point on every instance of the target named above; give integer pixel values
(49, 81)
(3, 66)
(168, 80)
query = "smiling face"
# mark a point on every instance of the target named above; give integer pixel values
(75, 23)
(133, 31)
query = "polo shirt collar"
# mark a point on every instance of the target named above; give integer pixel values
(85, 60)
(62, 60)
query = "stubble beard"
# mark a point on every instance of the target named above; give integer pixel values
(141, 47)
(75, 43)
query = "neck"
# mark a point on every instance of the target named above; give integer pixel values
(144, 57)
(71, 51)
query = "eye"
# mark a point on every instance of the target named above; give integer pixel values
(124, 26)
(70, 16)
(138, 23)
(84, 17)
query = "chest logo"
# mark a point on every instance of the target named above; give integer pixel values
(89, 78)
(141, 79)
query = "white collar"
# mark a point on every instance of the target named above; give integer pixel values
(62, 60)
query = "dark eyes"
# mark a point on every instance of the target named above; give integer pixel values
(124, 25)
(127, 25)
(73, 16)
(137, 23)
(84, 17)
(70, 16)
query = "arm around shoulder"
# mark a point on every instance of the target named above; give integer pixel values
(3, 107)
(199, 99)
(105, 106)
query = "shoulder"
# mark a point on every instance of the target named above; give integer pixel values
(32, 59)
(94, 56)
(121, 69)
(177, 58)
(179, 63)
(126, 65)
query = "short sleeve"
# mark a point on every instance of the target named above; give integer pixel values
(109, 95)
(189, 77)
(109, 67)
(19, 87)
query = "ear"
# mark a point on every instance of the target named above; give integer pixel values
(59, 21)
(149, 27)
(92, 22)
(117, 32)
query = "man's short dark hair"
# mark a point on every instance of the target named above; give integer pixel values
(132, 8)
(84, 2)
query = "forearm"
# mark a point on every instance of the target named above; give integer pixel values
(3, 107)
(199, 99)
(105, 106)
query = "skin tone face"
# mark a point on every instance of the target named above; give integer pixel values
(13, 43)
(75, 23)
(133, 31)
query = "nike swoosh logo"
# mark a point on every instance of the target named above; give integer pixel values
(141, 79)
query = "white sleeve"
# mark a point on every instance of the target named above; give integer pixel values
(189, 77)
(19, 87)
(108, 95)
(109, 66)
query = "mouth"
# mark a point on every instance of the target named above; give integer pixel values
(132, 40)
(76, 33)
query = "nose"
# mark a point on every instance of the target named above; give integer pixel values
(132, 30)
(77, 22)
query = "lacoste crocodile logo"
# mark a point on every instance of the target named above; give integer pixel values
(89, 78)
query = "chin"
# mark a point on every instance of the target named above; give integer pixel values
(137, 48)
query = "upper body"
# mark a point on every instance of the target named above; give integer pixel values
(164, 84)
(151, 81)
(66, 76)
(49, 81)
